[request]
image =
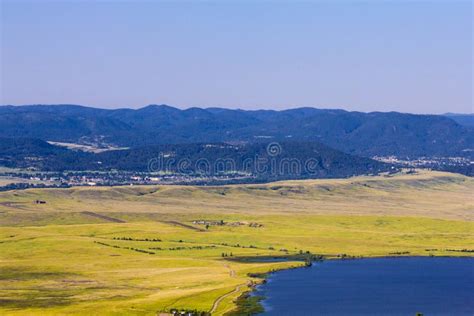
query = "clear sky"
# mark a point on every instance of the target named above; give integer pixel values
(367, 56)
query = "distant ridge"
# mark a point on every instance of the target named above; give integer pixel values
(358, 133)
(463, 119)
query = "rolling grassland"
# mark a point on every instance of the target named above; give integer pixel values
(143, 250)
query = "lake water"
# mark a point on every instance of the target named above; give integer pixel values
(388, 286)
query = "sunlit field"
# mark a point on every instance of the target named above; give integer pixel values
(145, 250)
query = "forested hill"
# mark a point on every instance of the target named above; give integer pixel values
(265, 161)
(365, 134)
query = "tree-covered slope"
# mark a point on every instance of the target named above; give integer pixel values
(365, 134)
(265, 161)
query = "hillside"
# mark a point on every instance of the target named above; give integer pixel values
(462, 119)
(365, 134)
(263, 161)
(430, 194)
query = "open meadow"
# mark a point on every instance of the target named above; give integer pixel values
(143, 250)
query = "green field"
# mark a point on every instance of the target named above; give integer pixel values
(136, 251)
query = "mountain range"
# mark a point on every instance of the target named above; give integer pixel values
(356, 133)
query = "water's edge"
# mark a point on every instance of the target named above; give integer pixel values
(250, 304)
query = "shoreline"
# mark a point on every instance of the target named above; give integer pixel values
(246, 298)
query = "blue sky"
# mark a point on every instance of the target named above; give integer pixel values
(367, 56)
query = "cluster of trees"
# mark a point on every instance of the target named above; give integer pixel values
(240, 246)
(24, 186)
(137, 239)
(467, 169)
(399, 253)
(183, 248)
(461, 250)
(188, 312)
(453, 250)
(128, 248)
(247, 304)
(139, 250)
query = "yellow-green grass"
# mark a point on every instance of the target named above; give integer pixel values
(56, 260)
(427, 194)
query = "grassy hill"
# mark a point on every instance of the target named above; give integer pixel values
(139, 250)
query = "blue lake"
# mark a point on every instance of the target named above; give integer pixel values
(388, 286)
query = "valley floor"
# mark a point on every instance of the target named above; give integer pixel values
(142, 250)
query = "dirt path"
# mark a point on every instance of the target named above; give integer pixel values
(216, 303)
(236, 290)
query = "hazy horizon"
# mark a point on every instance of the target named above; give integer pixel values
(229, 108)
(411, 57)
